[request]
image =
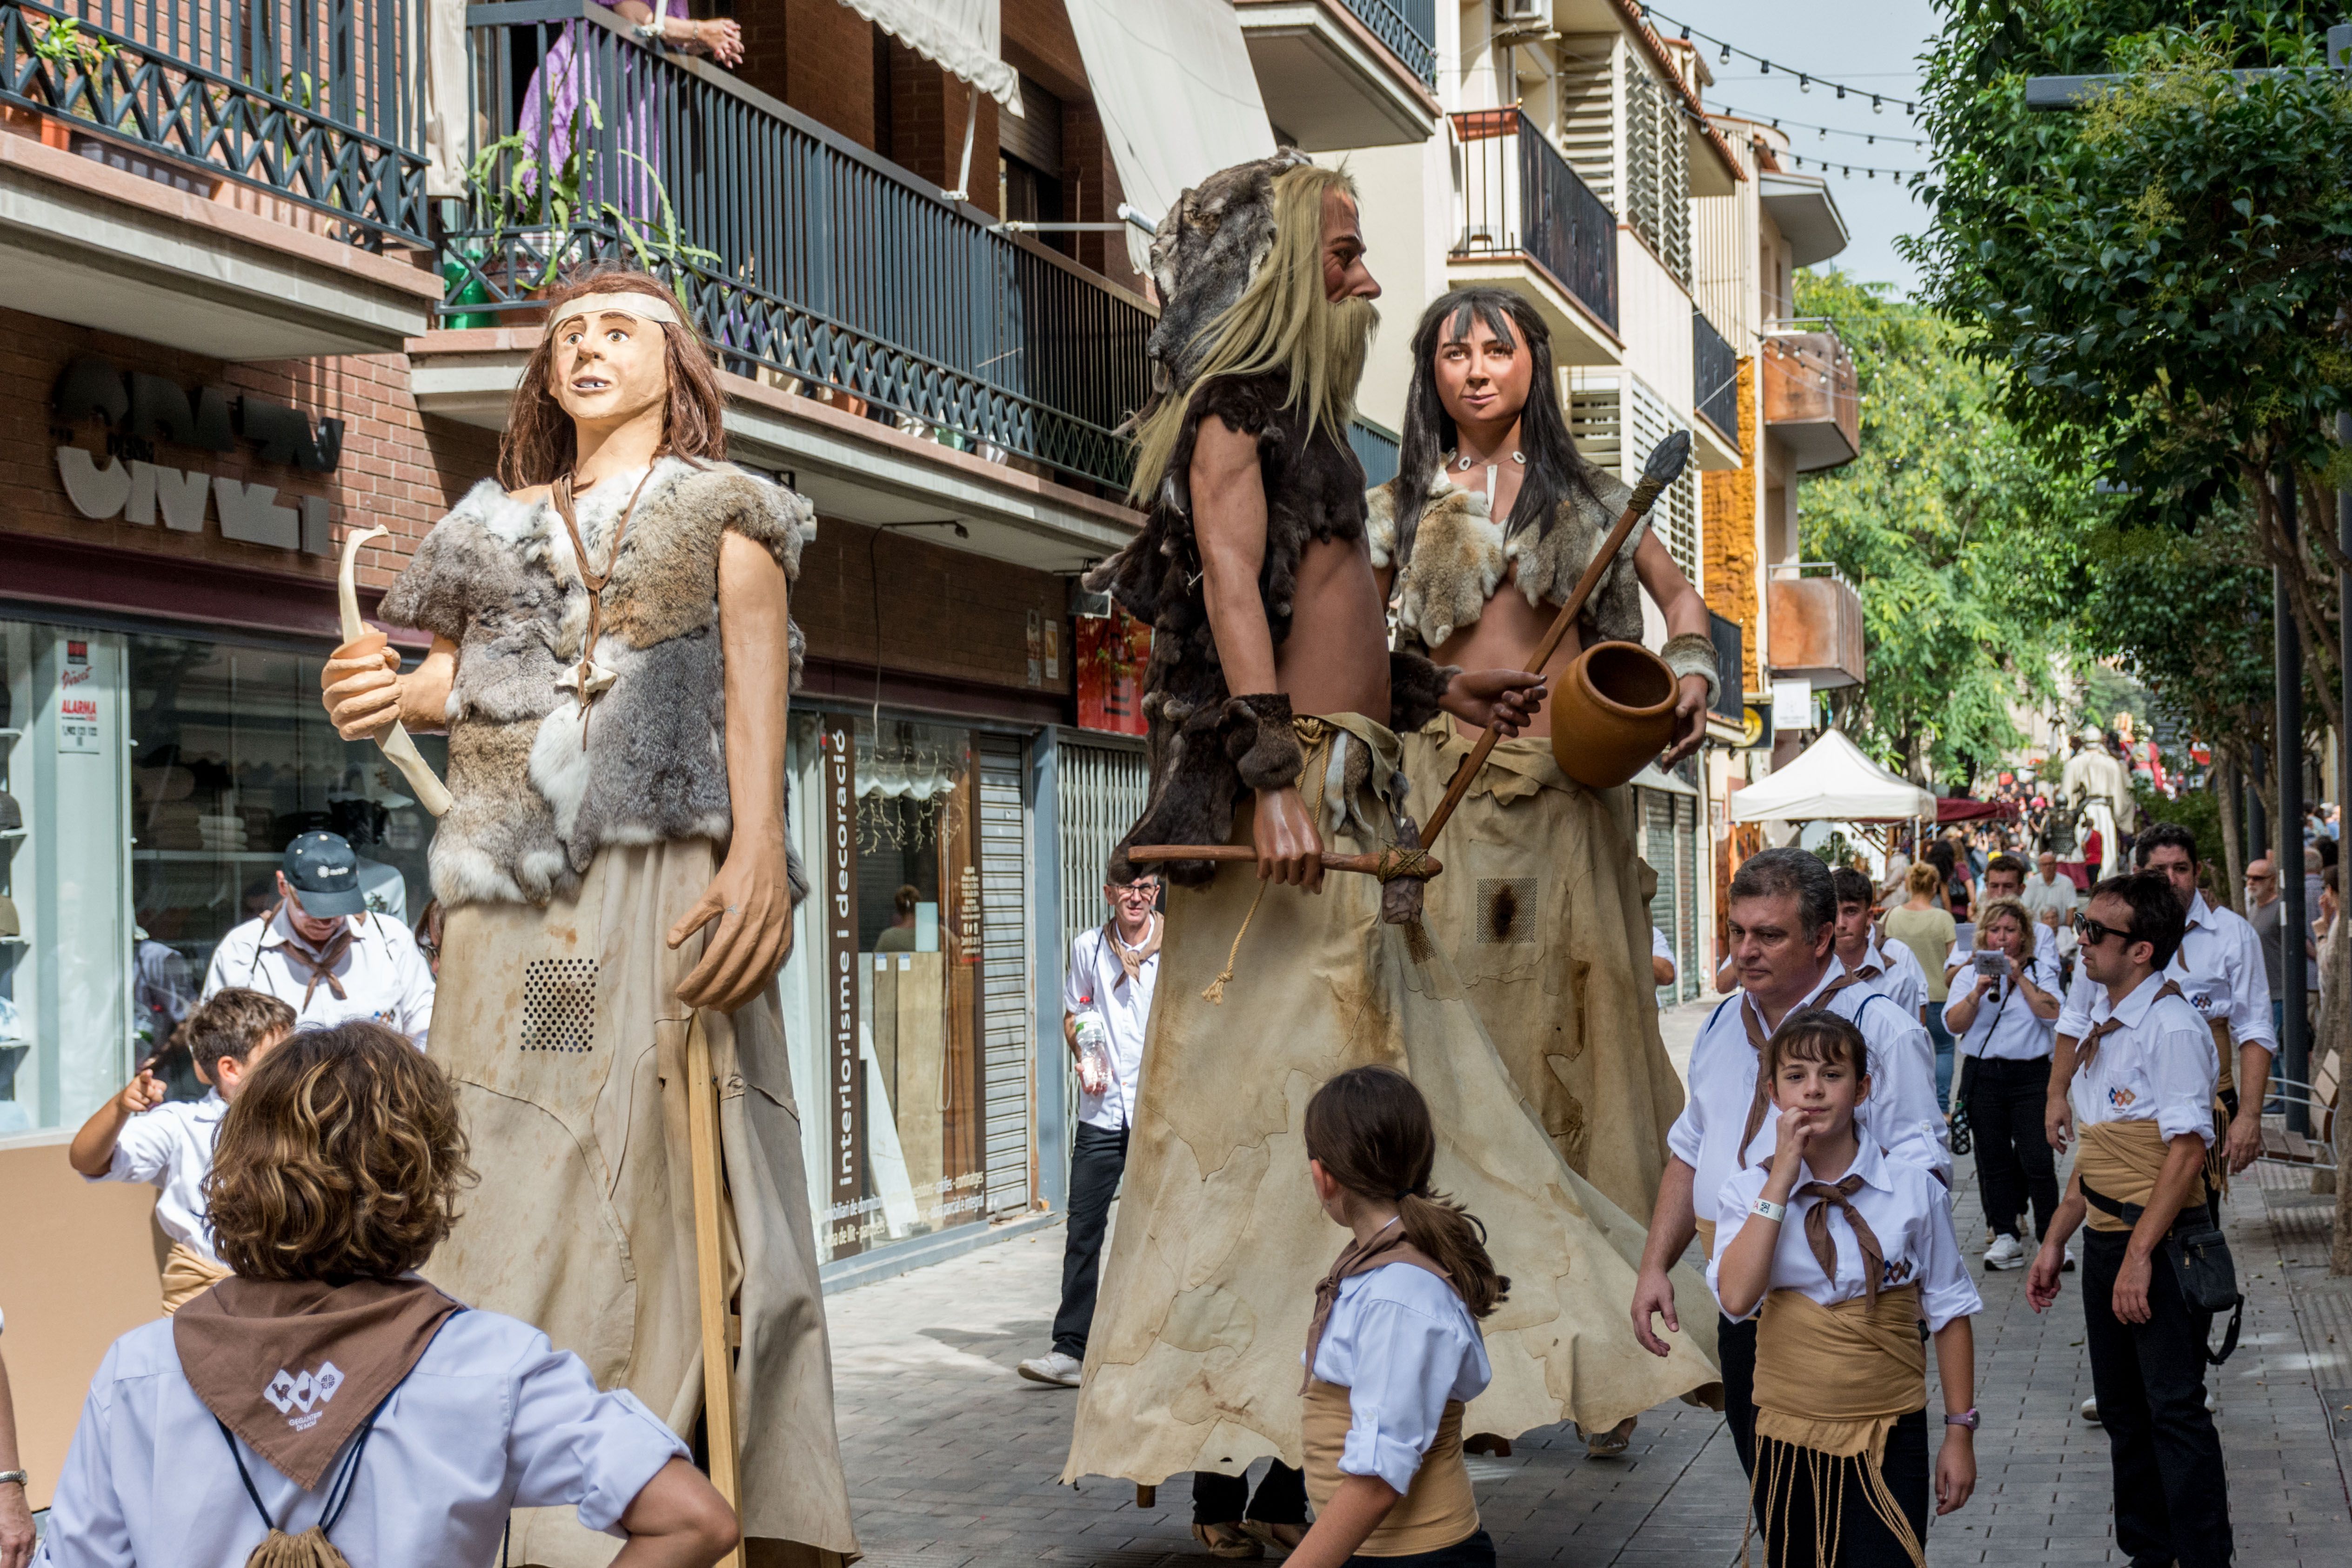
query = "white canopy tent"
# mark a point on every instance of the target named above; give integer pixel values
(1833, 780)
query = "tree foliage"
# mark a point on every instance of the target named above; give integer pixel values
(1960, 540)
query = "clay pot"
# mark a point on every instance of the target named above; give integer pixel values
(1611, 712)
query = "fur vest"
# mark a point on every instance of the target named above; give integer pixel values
(1460, 556)
(1197, 731)
(497, 576)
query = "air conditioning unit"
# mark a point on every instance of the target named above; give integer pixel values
(1537, 11)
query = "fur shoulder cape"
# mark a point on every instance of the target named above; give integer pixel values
(1460, 555)
(535, 797)
(1197, 731)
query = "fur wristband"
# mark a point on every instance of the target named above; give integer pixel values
(1415, 688)
(1258, 738)
(1693, 654)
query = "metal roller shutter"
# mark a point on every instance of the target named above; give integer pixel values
(1100, 793)
(1658, 849)
(1686, 938)
(1006, 1022)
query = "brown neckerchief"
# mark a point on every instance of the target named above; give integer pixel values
(1132, 959)
(294, 1366)
(2089, 1047)
(593, 580)
(1838, 1195)
(321, 964)
(1763, 1100)
(1362, 1257)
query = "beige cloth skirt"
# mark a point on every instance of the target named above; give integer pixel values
(1543, 911)
(562, 1031)
(1193, 1360)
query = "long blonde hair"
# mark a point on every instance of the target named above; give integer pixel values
(1282, 321)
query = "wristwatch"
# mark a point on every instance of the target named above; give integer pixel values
(19, 1477)
(1966, 1417)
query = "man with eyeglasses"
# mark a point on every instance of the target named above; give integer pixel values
(2142, 1085)
(1105, 1007)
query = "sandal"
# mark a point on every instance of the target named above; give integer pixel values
(1610, 1443)
(1282, 1538)
(1232, 1540)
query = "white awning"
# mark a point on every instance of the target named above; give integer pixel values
(1832, 781)
(962, 37)
(1178, 98)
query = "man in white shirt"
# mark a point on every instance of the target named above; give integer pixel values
(2219, 967)
(323, 954)
(1783, 918)
(1105, 1012)
(2050, 899)
(2143, 1097)
(1888, 968)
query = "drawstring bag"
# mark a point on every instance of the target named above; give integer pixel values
(312, 1549)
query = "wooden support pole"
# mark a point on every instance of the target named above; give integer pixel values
(710, 1276)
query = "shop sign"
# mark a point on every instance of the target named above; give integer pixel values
(1114, 652)
(77, 702)
(141, 410)
(837, 742)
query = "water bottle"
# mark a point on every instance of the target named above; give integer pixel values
(1094, 1054)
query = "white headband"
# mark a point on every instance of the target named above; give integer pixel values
(627, 302)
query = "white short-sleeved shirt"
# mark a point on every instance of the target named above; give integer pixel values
(1660, 948)
(2219, 969)
(1910, 1213)
(493, 1418)
(2040, 897)
(1899, 979)
(385, 977)
(2045, 951)
(1097, 984)
(1902, 1113)
(171, 1148)
(1402, 1343)
(2158, 1066)
(2005, 1028)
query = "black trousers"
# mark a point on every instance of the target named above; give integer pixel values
(1471, 1551)
(2172, 1500)
(1735, 1346)
(1281, 1497)
(2015, 1164)
(1097, 1160)
(1863, 1541)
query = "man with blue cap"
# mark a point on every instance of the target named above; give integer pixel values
(323, 953)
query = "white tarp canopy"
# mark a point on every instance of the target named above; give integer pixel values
(964, 37)
(1178, 97)
(1832, 779)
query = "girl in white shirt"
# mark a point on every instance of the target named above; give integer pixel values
(326, 1391)
(1393, 1353)
(1844, 1251)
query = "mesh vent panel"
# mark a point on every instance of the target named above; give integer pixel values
(558, 1004)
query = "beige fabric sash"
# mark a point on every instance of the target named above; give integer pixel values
(1436, 1511)
(2121, 1160)
(1707, 1236)
(187, 1274)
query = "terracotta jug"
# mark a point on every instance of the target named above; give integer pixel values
(1611, 712)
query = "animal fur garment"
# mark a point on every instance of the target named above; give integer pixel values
(1461, 555)
(1313, 491)
(535, 799)
(1207, 249)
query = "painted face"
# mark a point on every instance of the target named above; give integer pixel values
(1483, 374)
(608, 370)
(1345, 276)
(1768, 946)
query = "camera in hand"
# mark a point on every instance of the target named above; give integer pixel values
(1993, 964)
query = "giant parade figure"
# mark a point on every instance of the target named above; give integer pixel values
(1275, 706)
(611, 654)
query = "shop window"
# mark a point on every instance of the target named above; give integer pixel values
(156, 782)
(886, 992)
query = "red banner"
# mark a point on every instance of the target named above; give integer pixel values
(1114, 650)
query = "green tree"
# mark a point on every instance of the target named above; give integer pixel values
(1960, 540)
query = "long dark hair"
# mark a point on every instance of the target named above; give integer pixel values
(1371, 1130)
(1555, 469)
(540, 445)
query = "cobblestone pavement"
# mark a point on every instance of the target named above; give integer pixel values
(953, 1456)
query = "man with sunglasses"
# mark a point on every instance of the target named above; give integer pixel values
(2142, 1095)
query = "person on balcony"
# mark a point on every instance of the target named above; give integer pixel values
(1271, 696)
(582, 68)
(612, 654)
(1479, 539)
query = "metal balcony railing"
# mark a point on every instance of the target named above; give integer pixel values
(800, 255)
(1715, 375)
(1520, 196)
(1409, 28)
(318, 103)
(1377, 448)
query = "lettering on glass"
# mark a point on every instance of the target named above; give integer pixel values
(838, 745)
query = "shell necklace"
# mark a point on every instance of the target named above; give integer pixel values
(1461, 465)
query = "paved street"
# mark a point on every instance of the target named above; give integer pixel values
(952, 1456)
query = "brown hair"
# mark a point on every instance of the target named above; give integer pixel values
(1813, 1034)
(230, 1023)
(342, 1159)
(1923, 877)
(539, 445)
(1371, 1130)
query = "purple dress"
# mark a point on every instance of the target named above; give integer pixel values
(556, 121)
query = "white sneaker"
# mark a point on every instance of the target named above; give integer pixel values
(2006, 1252)
(2068, 1266)
(2090, 1411)
(1053, 1367)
